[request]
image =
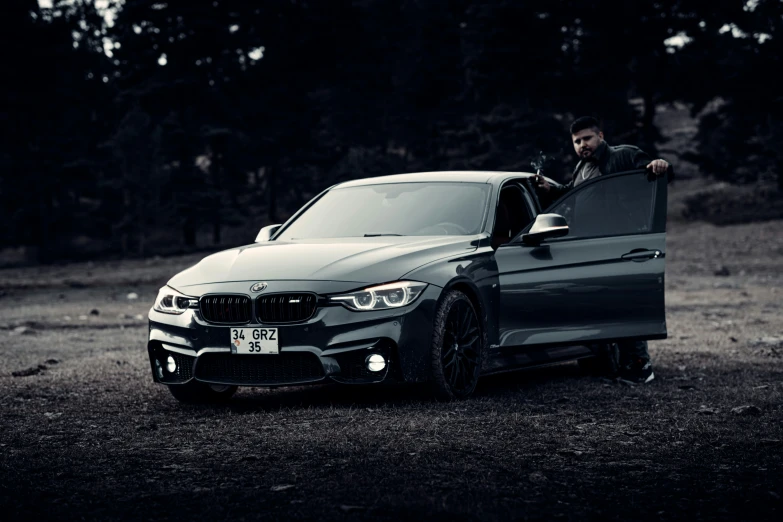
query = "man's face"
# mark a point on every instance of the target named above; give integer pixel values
(586, 141)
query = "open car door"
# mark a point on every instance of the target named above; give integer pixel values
(604, 280)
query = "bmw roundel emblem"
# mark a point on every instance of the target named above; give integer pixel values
(258, 287)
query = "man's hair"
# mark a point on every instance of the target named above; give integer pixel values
(585, 122)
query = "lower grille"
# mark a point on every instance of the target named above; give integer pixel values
(357, 370)
(226, 309)
(353, 366)
(249, 370)
(184, 370)
(159, 362)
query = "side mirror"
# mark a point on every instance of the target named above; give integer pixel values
(265, 233)
(544, 227)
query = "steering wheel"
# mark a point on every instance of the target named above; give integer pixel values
(446, 225)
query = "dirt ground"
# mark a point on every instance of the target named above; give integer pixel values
(84, 432)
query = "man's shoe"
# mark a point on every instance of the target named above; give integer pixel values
(637, 372)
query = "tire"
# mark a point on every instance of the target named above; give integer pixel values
(458, 346)
(195, 392)
(605, 362)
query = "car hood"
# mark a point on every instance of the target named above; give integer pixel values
(360, 260)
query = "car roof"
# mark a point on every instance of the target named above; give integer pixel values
(459, 176)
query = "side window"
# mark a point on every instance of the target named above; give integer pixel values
(513, 214)
(616, 205)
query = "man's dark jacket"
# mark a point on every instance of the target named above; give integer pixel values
(611, 160)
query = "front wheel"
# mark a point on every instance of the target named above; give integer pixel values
(195, 392)
(458, 347)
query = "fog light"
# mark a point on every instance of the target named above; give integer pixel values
(171, 364)
(375, 362)
(158, 369)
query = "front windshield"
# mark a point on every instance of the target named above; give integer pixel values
(397, 209)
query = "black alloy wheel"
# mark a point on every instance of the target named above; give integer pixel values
(458, 347)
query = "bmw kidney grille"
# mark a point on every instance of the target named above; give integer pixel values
(226, 309)
(285, 308)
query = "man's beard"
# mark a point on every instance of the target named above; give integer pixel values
(586, 153)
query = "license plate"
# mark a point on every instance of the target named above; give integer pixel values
(254, 340)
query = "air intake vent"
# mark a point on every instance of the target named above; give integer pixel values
(249, 370)
(226, 309)
(285, 308)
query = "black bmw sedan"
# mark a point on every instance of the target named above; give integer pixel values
(437, 277)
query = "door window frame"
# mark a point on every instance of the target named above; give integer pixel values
(528, 199)
(658, 221)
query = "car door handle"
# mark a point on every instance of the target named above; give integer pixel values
(642, 255)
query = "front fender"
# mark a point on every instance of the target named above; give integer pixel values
(476, 274)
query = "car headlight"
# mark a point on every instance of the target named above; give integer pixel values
(169, 301)
(383, 297)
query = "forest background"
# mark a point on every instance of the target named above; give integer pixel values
(140, 127)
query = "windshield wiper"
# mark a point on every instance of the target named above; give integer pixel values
(376, 235)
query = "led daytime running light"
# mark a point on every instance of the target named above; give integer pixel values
(382, 297)
(169, 301)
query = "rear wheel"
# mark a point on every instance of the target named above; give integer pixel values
(195, 392)
(458, 347)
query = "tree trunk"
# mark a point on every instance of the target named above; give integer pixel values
(189, 232)
(216, 224)
(126, 217)
(780, 176)
(217, 175)
(271, 187)
(649, 110)
(45, 250)
(648, 125)
(141, 224)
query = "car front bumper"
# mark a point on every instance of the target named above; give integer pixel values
(333, 345)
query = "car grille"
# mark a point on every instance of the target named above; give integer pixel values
(285, 308)
(353, 367)
(357, 370)
(249, 370)
(184, 367)
(226, 309)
